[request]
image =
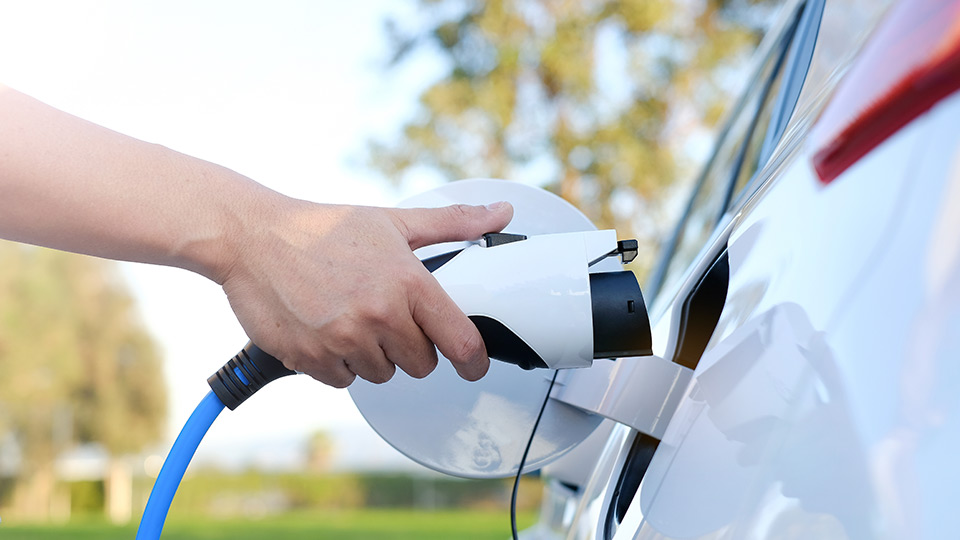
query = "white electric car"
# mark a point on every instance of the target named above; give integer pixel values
(811, 295)
(805, 375)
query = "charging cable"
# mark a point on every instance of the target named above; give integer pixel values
(242, 376)
(151, 525)
(523, 460)
(250, 370)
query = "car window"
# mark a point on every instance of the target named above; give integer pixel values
(752, 149)
(781, 101)
(740, 145)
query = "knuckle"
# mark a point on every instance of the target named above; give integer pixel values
(294, 363)
(401, 225)
(384, 374)
(343, 334)
(378, 311)
(412, 277)
(331, 374)
(342, 381)
(423, 367)
(322, 362)
(460, 216)
(302, 358)
(460, 210)
(415, 287)
(339, 346)
(468, 346)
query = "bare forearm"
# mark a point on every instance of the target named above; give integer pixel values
(70, 184)
(289, 267)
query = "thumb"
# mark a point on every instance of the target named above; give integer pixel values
(425, 226)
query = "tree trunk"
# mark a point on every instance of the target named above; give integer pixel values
(33, 494)
(119, 492)
(60, 503)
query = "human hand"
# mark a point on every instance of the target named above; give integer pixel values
(335, 291)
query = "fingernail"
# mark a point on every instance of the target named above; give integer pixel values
(493, 207)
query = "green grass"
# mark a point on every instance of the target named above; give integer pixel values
(343, 525)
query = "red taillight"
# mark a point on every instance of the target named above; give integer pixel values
(911, 62)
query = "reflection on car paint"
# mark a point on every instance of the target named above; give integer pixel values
(766, 398)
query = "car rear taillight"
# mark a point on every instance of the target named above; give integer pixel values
(910, 63)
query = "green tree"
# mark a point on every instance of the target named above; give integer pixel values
(320, 449)
(76, 364)
(587, 97)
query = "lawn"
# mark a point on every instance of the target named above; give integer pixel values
(343, 525)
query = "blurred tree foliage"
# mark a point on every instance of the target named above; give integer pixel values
(588, 98)
(320, 451)
(76, 364)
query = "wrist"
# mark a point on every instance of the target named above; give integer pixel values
(228, 224)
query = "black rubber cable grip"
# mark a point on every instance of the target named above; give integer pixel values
(244, 374)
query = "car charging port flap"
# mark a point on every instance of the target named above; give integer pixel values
(700, 312)
(634, 468)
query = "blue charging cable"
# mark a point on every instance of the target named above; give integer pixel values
(175, 465)
(231, 385)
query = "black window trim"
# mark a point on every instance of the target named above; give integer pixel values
(795, 74)
(798, 65)
(803, 29)
(742, 152)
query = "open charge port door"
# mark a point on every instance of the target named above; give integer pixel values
(699, 316)
(643, 392)
(700, 313)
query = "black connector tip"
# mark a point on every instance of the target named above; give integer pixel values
(250, 370)
(621, 326)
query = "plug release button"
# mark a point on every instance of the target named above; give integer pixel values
(498, 239)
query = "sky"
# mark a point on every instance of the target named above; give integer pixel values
(283, 92)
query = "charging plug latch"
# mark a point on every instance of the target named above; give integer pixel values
(628, 250)
(498, 239)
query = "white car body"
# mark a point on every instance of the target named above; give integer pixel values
(826, 402)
